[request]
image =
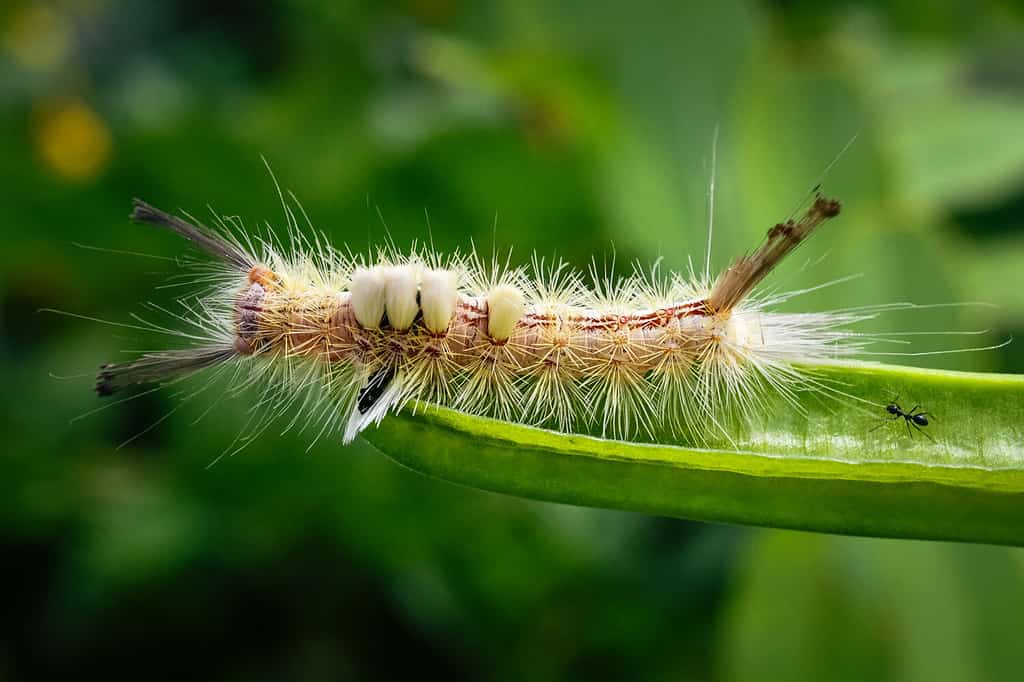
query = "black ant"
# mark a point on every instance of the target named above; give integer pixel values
(912, 419)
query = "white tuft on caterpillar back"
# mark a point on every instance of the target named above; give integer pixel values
(625, 358)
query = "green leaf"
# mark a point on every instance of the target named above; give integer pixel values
(834, 466)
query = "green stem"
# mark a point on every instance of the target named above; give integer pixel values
(827, 468)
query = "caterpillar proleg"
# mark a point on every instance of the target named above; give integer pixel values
(356, 337)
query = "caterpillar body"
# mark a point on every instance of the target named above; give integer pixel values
(370, 335)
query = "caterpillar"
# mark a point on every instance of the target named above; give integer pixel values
(351, 338)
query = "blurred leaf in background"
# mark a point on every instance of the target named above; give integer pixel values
(576, 128)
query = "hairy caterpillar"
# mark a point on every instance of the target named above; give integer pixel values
(355, 338)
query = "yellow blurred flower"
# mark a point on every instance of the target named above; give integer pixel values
(72, 140)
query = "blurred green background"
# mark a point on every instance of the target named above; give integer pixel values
(582, 128)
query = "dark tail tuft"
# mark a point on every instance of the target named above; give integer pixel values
(204, 238)
(156, 367)
(747, 272)
(105, 381)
